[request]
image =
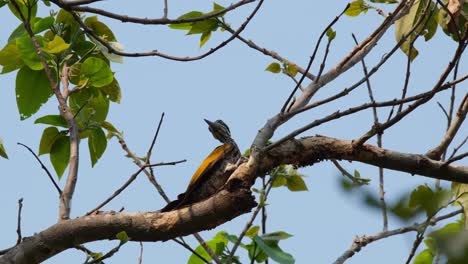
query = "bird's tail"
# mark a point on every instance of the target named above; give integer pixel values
(174, 204)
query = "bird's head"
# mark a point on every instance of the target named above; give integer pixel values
(220, 131)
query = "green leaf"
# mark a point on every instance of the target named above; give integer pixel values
(55, 46)
(10, 58)
(109, 127)
(28, 9)
(2, 150)
(203, 26)
(331, 34)
(186, 26)
(204, 38)
(60, 154)
(97, 144)
(217, 245)
(274, 68)
(460, 191)
(274, 252)
(96, 72)
(112, 56)
(429, 200)
(122, 236)
(253, 231)
(18, 32)
(217, 7)
(404, 25)
(32, 91)
(295, 183)
(424, 257)
(69, 25)
(356, 8)
(42, 24)
(113, 91)
(276, 236)
(384, 1)
(28, 52)
(89, 105)
(101, 29)
(291, 69)
(48, 138)
(55, 120)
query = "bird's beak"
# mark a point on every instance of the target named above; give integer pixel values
(209, 122)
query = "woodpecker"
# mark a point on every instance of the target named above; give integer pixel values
(211, 175)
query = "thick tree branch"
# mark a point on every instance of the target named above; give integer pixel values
(229, 203)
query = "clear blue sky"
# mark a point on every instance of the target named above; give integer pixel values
(231, 85)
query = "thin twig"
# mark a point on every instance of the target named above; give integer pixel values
(455, 150)
(265, 51)
(312, 58)
(444, 111)
(360, 242)
(451, 132)
(107, 255)
(383, 204)
(250, 222)
(461, 47)
(453, 159)
(43, 167)
(183, 244)
(165, 10)
(207, 248)
(18, 228)
(140, 258)
(344, 172)
(151, 176)
(130, 180)
(112, 50)
(339, 114)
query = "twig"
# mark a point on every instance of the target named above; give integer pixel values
(165, 10)
(339, 114)
(140, 258)
(130, 180)
(150, 176)
(417, 241)
(107, 255)
(455, 150)
(408, 73)
(67, 194)
(148, 21)
(190, 249)
(312, 58)
(18, 228)
(412, 107)
(383, 204)
(162, 55)
(250, 222)
(360, 242)
(43, 167)
(453, 159)
(444, 111)
(207, 248)
(345, 173)
(265, 51)
(452, 131)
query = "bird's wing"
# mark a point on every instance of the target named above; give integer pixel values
(215, 156)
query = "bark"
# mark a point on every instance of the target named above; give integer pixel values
(235, 199)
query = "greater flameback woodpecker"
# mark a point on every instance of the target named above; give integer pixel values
(211, 176)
